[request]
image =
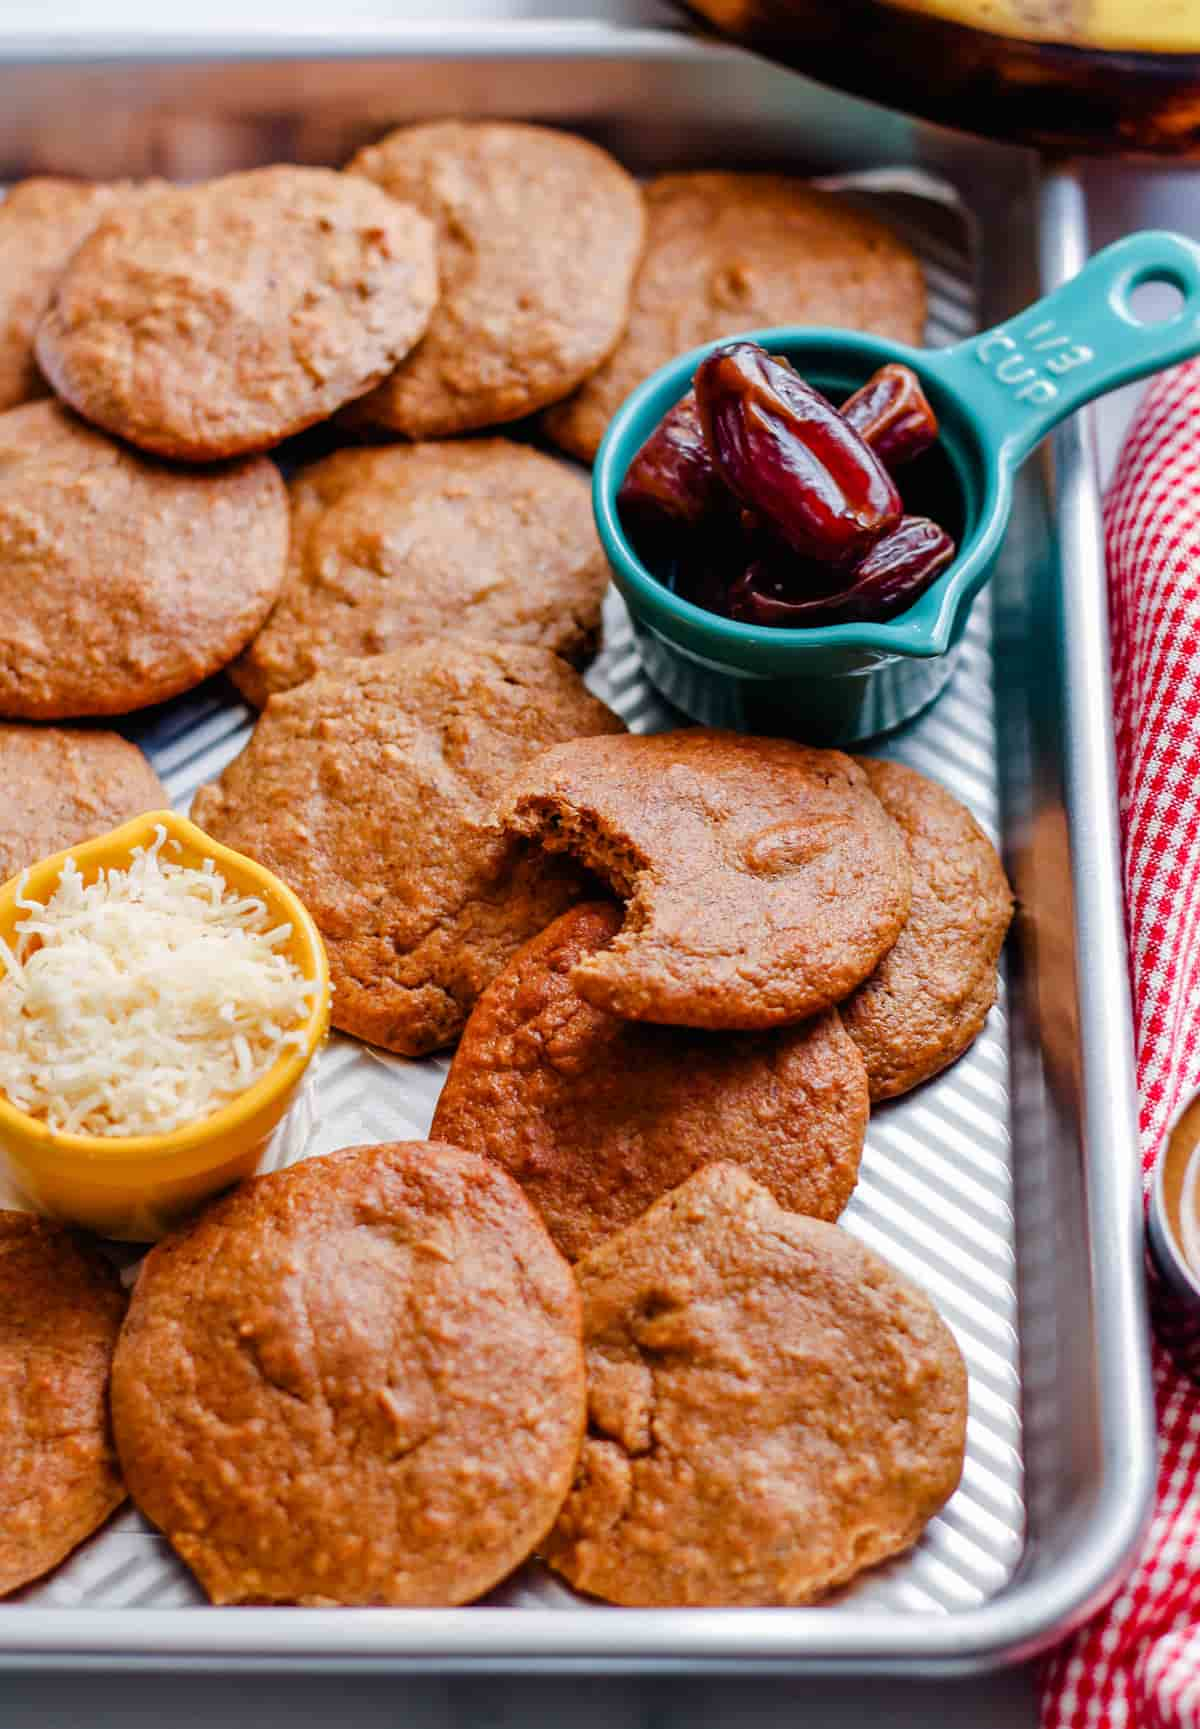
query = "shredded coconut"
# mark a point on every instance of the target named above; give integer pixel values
(139, 1002)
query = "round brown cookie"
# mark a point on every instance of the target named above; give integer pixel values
(597, 1117)
(42, 221)
(60, 1312)
(122, 581)
(539, 234)
(488, 538)
(771, 1407)
(930, 994)
(60, 787)
(212, 320)
(370, 790)
(358, 1380)
(764, 880)
(727, 253)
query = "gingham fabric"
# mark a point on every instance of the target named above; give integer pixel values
(1138, 1662)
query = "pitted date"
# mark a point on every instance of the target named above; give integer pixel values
(900, 568)
(787, 455)
(755, 472)
(779, 591)
(894, 574)
(891, 413)
(671, 483)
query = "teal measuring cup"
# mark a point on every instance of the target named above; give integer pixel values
(996, 396)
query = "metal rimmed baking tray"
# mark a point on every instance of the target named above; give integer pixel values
(1008, 1186)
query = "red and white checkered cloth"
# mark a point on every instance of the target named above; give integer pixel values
(1138, 1662)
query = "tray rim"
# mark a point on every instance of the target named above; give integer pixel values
(1028, 1614)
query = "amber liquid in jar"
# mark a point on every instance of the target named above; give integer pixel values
(1181, 1186)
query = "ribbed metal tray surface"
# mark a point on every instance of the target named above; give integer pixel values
(935, 1191)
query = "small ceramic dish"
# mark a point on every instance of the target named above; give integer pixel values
(135, 1187)
(996, 396)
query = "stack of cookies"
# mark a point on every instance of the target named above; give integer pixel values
(456, 278)
(605, 1315)
(376, 1377)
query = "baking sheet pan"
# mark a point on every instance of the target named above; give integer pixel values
(1005, 1187)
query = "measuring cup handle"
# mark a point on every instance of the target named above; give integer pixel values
(1024, 376)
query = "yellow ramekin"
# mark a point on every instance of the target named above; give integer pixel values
(135, 1187)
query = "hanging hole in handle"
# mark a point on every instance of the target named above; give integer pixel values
(1155, 296)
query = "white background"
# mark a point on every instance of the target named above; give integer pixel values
(1120, 200)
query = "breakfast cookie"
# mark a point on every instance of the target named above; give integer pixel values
(597, 1117)
(358, 1380)
(929, 996)
(123, 581)
(727, 253)
(211, 320)
(370, 790)
(538, 236)
(60, 1311)
(42, 221)
(485, 538)
(764, 880)
(771, 1407)
(61, 786)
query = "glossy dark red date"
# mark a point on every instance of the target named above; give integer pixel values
(892, 414)
(787, 455)
(671, 482)
(894, 574)
(756, 472)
